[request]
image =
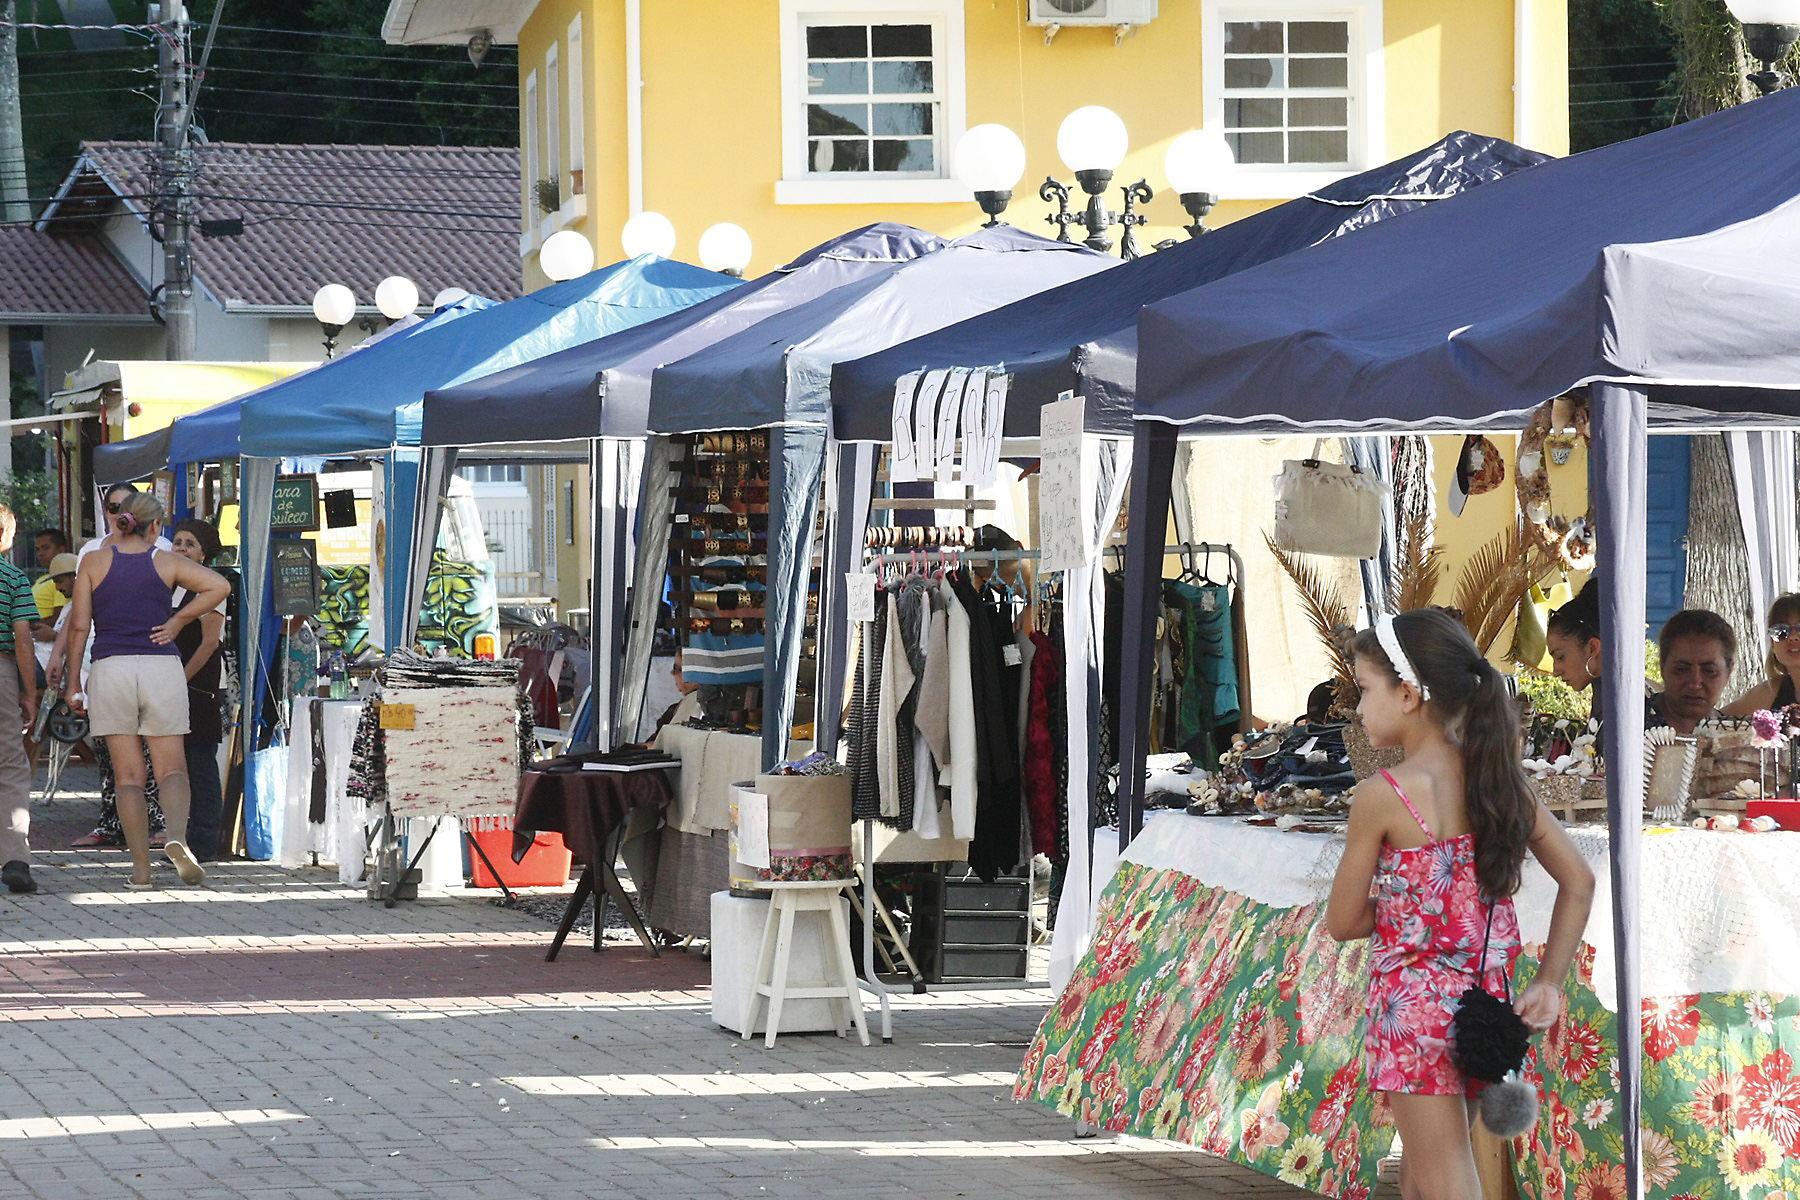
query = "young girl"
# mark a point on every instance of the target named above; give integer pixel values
(1782, 665)
(1434, 847)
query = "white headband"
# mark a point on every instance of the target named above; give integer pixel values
(1390, 645)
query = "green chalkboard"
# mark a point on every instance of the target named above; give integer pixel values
(296, 506)
(296, 579)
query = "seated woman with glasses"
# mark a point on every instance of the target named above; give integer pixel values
(1782, 664)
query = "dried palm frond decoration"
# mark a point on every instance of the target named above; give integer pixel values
(1417, 563)
(1330, 616)
(1495, 580)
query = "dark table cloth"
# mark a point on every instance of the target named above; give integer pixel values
(585, 807)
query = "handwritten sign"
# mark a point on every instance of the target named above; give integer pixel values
(1061, 525)
(296, 504)
(859, 595)
(296, 578)
(399, 716)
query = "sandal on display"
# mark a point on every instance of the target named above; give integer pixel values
(185, 866)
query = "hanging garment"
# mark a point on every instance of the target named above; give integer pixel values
(890, 752)
(1208, 699)
(994, 850)
(1059, 734)
(1040, 748)
(964, 767)
(865, 719)
(1105, 807)
(932, 715)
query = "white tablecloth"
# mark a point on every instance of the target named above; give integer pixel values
(1720, 911)
(340, 838)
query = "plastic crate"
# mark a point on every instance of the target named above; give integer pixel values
(546, 864)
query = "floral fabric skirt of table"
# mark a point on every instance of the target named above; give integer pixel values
(1204, 1017)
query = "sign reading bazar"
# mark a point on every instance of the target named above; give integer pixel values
(296, 504)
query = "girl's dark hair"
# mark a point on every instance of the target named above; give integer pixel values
(1580, 617)
(205, 534)
(1470, 702)
(1785, 611)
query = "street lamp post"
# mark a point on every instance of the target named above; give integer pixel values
(335, 307)
(1771, 27)
(1092, 142)
(989, 160)
(1193, 164)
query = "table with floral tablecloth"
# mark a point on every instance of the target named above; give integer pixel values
(1212, 1008)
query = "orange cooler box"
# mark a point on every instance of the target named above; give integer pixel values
(546, 864)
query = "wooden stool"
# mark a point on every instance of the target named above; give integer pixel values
(771, 977)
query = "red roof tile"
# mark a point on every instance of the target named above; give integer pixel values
(44, 276)
(444, 216)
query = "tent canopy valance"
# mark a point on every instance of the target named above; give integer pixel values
(602, 388)
(1082, 336)
(375, 399)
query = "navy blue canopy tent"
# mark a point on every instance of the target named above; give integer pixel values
(602, 388)
(1082, 337)
(1659, 271)
(777, 374)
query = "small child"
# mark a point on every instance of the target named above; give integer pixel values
(1430, 864)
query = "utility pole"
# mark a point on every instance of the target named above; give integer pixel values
(176, 163)
(13, 192)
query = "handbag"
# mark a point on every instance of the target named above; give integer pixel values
(1488, 1039)
(1328, 508)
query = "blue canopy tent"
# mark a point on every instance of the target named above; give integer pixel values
(373, 401)
(777, 374)
(1082, 337)
(211, 434)
(1659, 271)
(599, 393)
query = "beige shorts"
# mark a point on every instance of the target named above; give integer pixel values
(145, 694)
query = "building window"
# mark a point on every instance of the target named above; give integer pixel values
(493, 473)
(872, 101)
(1297, 88)
(1287, 92)
(529, 149)
(552, 120)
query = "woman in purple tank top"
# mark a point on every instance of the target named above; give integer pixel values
(136, 687)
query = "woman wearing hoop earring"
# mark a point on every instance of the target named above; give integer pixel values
(1572, 635)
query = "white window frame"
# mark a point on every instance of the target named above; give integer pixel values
(553, 118)
(576, 87)
(528, 216)
(797, 185)
(1368, 91)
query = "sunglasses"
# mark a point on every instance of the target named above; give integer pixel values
(1781, 633)
(113, 508)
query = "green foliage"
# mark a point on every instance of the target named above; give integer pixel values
(1709, 45)
(313, 72)
(1621, 69)
(32, 497)
(1551, 695)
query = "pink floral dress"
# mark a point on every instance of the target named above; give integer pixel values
(1430, 918)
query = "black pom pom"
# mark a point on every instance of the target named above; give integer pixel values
(1490, 1040)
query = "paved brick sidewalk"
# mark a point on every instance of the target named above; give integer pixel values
(274, 1035)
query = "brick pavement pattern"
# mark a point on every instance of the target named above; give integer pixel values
(273, 1035)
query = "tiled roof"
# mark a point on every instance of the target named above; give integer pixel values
(45, 276)
(444, 216)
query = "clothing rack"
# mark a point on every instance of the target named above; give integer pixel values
(1186, 549)
(900, 556)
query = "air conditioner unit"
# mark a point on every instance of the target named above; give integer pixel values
(1091, 12)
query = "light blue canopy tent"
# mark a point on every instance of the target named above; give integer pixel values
(372, 403)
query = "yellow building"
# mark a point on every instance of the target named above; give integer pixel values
(800, 119)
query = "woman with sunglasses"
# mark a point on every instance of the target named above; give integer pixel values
(1782, 664)
(137, 688)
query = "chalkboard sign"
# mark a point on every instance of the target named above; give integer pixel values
(296, 578)
(296, 506)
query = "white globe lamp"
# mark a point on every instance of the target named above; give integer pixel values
(447, 297)
(565, 254)
(725, 248)
(989, 160)
(396, 296)
(1194, 163)
(1770, 29)
(648, 233)
(1091, 140)
(334, 305)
